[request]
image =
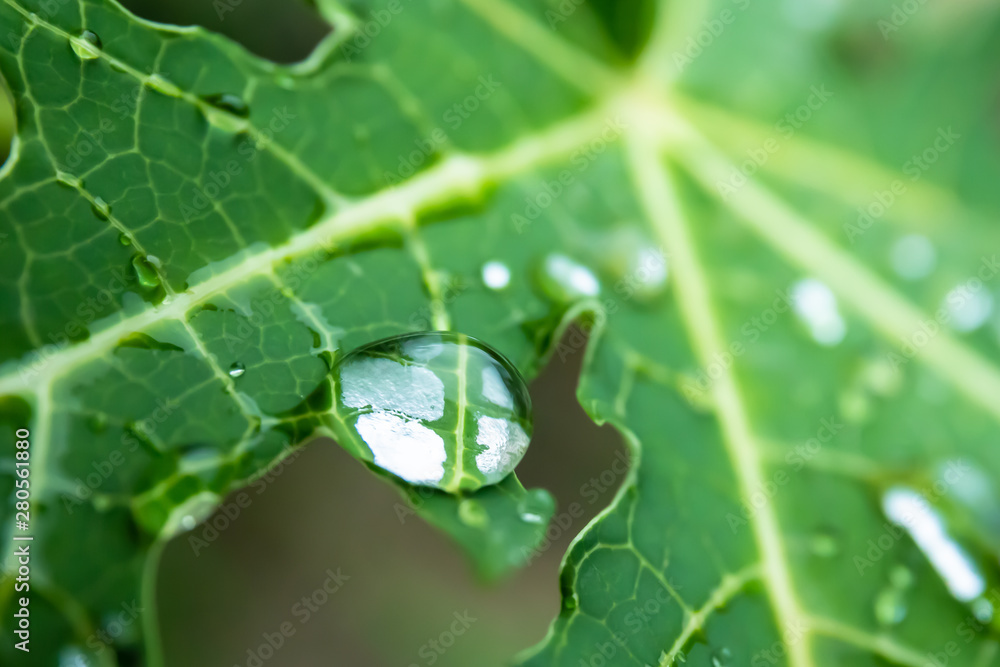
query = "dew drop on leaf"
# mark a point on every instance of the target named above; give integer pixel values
(816, 306)
(101, 208)
(721, 657)
(564, 279)
(472, 513)
(825, 543)
(237, 369)
(97, 422)
(535, 506)
(87, 46)
(890, 606)
(226, 111)
(124, 239)
(161, 84)
(496, 275)
(437, 409)
(145, 271)
(68, 180)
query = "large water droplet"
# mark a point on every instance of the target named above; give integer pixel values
(436, 409)
(145, 271)
(237, 369)
(87, 46)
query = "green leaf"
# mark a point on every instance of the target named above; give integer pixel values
(195, 236)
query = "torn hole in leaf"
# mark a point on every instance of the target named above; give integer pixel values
(281, 31)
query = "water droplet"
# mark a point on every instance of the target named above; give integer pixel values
(722, 657)
(124, 239)
(535, 507)
(825, 543)
(72, 656)
(913, 257)
(188, 522)
(472, 513)
(145, 271)
(163, 85)
(101, 208)
(816, 307)
(87, 46)
(570, 602)
(68, 180)
(566, 280)
(968, 306)
(983, 610)
(436, 409)
(496, 275)
(890, 606)
(227, 112)
(911, 510)
(237, 369)
(901, 577)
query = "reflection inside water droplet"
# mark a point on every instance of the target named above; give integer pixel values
(237, 369)
(436, 409)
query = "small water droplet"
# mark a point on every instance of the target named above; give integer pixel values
(564, 279)
(825, 543)
(816, 306)
(145, 271)
(890, 606)
(237, 369)
(188, 522)
(68, 180)
(472, 513)
(436, 409)
(97, 422)
(496, 275)
(913, 257)
(124, 239)
(901, 577)
(101, 208)
(722, 657)
(161, 84)
(87, 46)
(535, 507)
(72, 656)
(227, 112)
(983, 610)
(968, 306)
(570, 602)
